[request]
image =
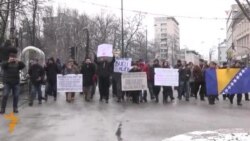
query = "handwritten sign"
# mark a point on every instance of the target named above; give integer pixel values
(69, 83)
(122, 65)
(105, 50)
(134, 81)
(166, 77)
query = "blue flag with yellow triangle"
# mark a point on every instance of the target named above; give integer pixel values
(227, 81)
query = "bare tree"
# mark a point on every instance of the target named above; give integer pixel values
(245, 10)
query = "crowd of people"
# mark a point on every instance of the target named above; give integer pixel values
(100, 72)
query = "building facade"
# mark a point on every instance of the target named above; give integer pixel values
(190, 56)
(167, 37)
(238, 35)
(222, 53)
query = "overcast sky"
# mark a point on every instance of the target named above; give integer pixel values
(199, 34)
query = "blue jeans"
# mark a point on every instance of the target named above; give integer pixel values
(36, 89)
(15, 88)
(183, 89)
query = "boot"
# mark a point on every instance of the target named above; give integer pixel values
(2, 111)
(15, 110)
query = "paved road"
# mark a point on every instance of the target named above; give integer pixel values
(94, 121)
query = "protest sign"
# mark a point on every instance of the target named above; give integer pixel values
(105, 50)
(134, 81)
(166, 77)
(122, 65)
(69, 83)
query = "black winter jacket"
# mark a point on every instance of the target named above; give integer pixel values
(11, 72)
(35, 72)
(88, 72)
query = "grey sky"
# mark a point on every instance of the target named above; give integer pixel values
(196, 34)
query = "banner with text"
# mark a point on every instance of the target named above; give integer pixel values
(105, 50)
(69, 83)
(166, 77)
(122, 65)
(134, 81)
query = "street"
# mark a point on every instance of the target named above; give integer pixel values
(95, 121)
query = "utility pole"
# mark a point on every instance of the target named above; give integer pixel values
(173, 46)
(122, 28)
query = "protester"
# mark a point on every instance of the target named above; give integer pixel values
(104, 69)
(71, 68)
(36, 73)
(150, 81)
(191, 80)
(184, 76)
(239, 95)
(135, 94)
(144, 68)
(224, 66)
(94, 85)
(88, 72)
(167, 90)
(59, 65)
(51, 70)
(211, 97)
(156, 89)
(199, 78)
(178, 66)
(11, 80)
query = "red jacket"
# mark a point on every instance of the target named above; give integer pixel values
(145, 68)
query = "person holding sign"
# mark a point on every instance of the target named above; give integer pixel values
(104, 71)
(156, 89)
(88, 72)
(135, 94)
(71, 68)
(167, 90)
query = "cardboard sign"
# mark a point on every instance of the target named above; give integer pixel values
(134, 81)
(105, 50)
(166, 77)
(69, 83)
(122, 65)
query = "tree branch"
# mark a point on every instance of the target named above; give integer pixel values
(244, 11)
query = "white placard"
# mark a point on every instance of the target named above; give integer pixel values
(122, 65)
(134, 81)
(166, 77)
(105, 50)
(69, 83)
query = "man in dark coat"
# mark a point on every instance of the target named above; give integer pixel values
(88, 72)
(184, 76)
(51, 70)
(104, 69)
(36, 73)
(11, 80)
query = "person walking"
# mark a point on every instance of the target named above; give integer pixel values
(144, 68)
(135, 94)
(184, 74)
(51, 70)
(71, 68)
(104, 69)
(88, 72)
(212, 97)
(36, 73)
(239, 95)
(11, 80)
(167, 90)
(156, 89)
